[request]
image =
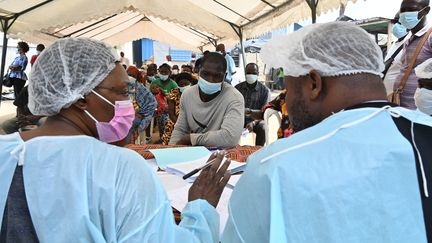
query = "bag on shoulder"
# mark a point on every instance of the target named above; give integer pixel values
(7, 81)
(395, 96)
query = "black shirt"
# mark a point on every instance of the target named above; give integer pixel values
(255, 97)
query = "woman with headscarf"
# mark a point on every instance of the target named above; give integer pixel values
(64, 182)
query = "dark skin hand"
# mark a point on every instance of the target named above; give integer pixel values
(185, 140)
(250, 126)
(211, 182)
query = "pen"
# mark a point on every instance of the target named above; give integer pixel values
(237, 170)
(208, 164)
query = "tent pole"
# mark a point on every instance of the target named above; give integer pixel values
(243, 51)
(5, 23)
(313, 6)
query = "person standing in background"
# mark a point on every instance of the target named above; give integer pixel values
(17, 68)
(124, 60)
(230, 63)
(413, 17)
(39, 49)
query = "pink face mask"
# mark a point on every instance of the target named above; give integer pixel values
(118, 128)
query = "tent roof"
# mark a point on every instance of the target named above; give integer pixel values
(187, 23)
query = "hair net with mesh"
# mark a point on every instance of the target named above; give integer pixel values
(332, 49)
(67, 70)
(424, 70)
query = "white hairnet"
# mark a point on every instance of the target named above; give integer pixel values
(332, 49)
(424, 70)
(67, 70)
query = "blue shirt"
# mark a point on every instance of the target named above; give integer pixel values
(230, 67)
(146, 105)
(21, 61)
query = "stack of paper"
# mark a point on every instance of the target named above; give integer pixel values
(168, 156)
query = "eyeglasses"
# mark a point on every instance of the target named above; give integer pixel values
(124, 92)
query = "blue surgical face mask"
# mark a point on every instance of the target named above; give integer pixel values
(399, 31)
(209, 88)
(410, 19)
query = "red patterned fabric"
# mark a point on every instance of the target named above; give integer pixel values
(238, 153)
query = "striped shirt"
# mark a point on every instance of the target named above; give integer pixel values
(410, 46)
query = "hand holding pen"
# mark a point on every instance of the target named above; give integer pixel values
(211, 182)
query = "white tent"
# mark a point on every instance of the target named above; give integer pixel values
(194, 23)
(189, 24)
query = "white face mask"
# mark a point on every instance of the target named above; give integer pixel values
(175, 71)
(423, 100)
(251, 78)
(163, 77)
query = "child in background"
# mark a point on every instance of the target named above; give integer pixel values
(162, 108)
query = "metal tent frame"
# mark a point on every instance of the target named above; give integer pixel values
(6, 22)
(8, 19)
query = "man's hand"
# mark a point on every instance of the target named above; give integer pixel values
(185, 140)
(250, 126)
(211, 182)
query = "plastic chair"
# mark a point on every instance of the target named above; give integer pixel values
(267, 114)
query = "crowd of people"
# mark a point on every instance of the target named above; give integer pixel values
(350, 166)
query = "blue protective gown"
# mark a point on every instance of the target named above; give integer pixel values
(79, 189)
(351, 178)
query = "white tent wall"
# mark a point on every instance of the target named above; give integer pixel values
(161, 50)
(147, 29)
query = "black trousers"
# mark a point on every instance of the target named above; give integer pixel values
(260, 133)
(18, 85)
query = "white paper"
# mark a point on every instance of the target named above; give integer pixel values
(169, 156)
(179, 198)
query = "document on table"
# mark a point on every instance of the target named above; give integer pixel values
(179, 198)
(168, 156)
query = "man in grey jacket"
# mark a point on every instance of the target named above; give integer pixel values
(212, 112)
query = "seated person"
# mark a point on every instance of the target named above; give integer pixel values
(24, 118)
(151, 72)
(164, 81)
(256, 96)
(188, 69)
(64, 182)
(174, 72)
(358, 169)
(173, 98)
(212, 112)
(423, 94)
(279, 104)
(144, 103)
